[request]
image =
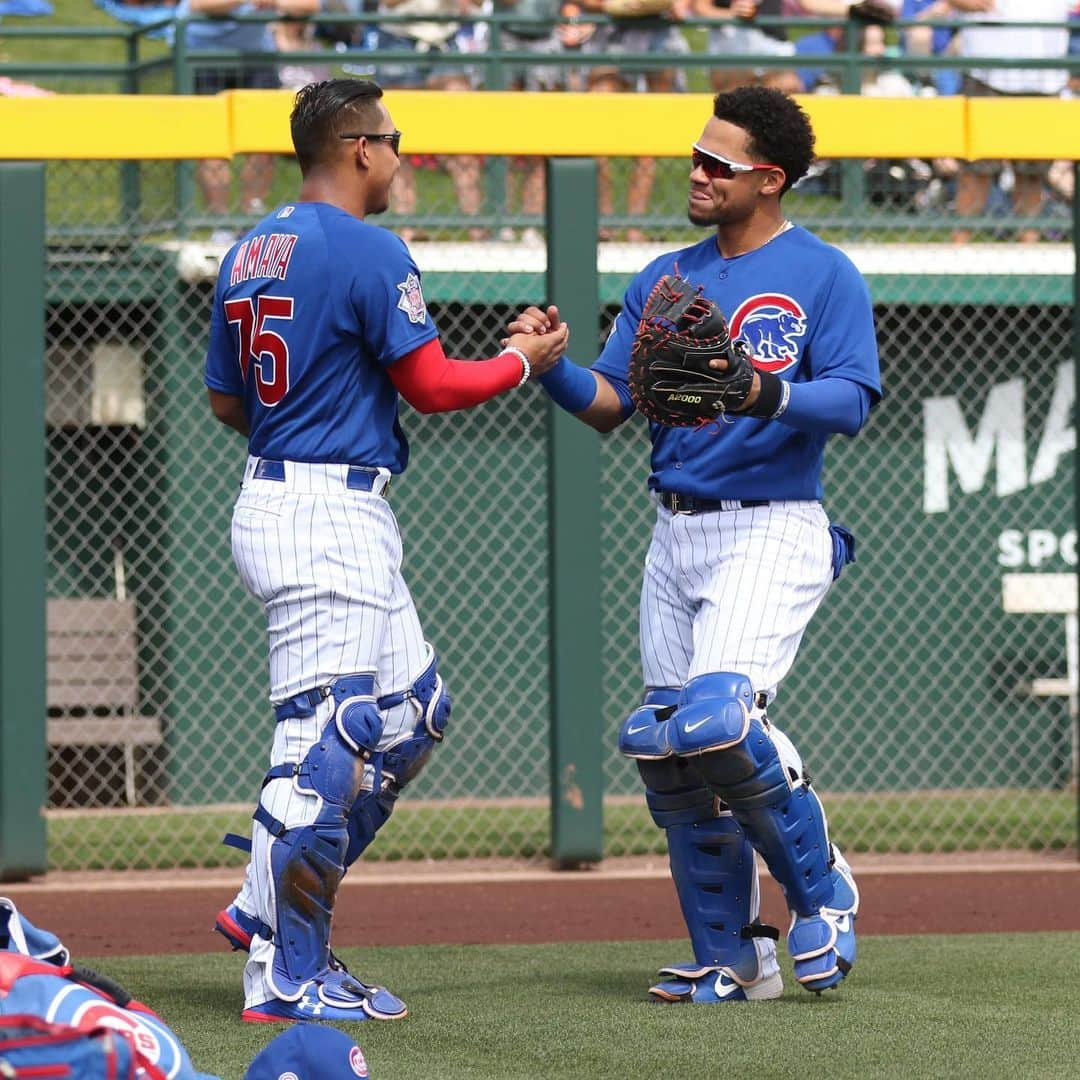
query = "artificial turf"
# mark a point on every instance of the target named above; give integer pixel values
(930, 1006)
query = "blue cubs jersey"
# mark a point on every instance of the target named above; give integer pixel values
(805, 313)
(311, 307)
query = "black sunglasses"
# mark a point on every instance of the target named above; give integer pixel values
(716, 167)
(391, 137)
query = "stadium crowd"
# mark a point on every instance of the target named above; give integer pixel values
(795, 59)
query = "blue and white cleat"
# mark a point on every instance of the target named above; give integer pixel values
(702, 984)
(823, 945)
(335, 998)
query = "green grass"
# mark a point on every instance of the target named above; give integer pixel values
(912, 822)
(979, 1006)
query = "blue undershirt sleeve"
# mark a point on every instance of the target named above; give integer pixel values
(827, 406)
(571, 386)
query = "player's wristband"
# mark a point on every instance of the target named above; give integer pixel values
(526, 367)
(772, 398)
(571, 387)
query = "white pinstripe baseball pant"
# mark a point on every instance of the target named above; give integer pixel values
(326, 563)
(732, 590)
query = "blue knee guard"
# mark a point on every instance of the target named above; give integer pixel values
(712, 863)
(738, 761)
(307, 862)
(404, 760)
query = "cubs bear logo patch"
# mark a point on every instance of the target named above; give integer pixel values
(411, 300)
(772, 326)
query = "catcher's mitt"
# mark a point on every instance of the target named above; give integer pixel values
(880, 12)
(679, 333)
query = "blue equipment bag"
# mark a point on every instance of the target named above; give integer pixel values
(30, 1046)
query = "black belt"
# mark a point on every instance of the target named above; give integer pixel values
(678, 503)
(358, 478)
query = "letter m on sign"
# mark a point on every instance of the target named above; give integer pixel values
(947, 441)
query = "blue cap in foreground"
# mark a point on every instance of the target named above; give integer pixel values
(309, 1052)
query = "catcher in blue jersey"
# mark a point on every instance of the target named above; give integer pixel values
(319, 327)
(746, 352)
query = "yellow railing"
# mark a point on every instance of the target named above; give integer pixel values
(144, 127)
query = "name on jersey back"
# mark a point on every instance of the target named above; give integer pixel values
(263, 256)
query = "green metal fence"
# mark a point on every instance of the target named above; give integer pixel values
(935, 695)
(941, 714)
(146, 199)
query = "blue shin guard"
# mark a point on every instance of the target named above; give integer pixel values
(712, 865)
(736, 756)
(735, 753)
(307, 862)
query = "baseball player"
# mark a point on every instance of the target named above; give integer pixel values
(741, 556)
(319, 323)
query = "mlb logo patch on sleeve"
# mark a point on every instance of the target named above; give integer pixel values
(411, 300)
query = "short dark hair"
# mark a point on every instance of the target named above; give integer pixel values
(779, 129)
(323, 110)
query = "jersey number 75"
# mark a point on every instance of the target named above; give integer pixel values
(261, 350)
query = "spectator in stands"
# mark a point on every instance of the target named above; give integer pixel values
(1010, 42)
(424, 38)
(825, 42)
(637, 26)
(15, 88)
(932, 41)
(896, 184)
(298, 35)
(534, 37)
(141, 14)
(1062, 177)
(870, 41)
(572, 35)
(211, 28)
(543, 41)
(737, 35)
(866, 11)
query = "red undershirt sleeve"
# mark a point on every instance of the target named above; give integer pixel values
(432, 383)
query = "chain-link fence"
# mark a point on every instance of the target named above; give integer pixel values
(933, 698)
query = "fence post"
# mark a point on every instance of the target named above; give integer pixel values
(852, 178)
(130, 171)
(497, 168)
(1076, 466)
(22, 519)
(574, 515)
(183, 83)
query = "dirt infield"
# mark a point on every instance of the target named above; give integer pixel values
(99, 915)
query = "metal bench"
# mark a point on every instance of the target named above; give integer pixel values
(1051, 594)
(92, 680)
